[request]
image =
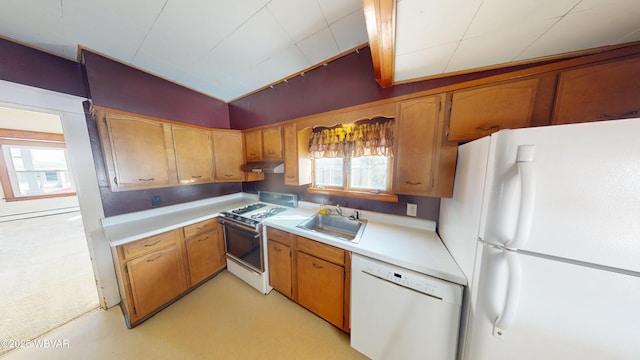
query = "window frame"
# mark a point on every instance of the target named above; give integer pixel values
(33, 139)
(347, 191)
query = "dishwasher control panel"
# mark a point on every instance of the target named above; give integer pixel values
(428, 285)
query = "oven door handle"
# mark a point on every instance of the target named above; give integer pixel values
(238, 226)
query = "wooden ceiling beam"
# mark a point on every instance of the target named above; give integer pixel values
(380, 16)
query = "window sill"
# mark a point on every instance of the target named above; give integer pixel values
(355, 194)
(38, 197)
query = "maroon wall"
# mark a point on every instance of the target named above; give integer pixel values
(28, 66)
(344, 82)
(118, 86)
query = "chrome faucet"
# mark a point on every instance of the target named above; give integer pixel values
(338, 210)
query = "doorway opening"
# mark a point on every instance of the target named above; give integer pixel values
(45, 265)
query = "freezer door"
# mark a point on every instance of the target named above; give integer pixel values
(564, 311)
(586, 191)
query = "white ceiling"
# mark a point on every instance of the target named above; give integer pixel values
(229, 48)
(434, 37)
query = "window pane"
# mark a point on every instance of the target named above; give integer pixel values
(329, 172)
(38, 170)
(369, 172)
(38, 159)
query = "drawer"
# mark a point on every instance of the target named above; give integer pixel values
(320, 250)
(147, 245)
(200, 227)
(280, 236)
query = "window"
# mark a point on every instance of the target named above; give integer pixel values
(353, 160)
(34, 165)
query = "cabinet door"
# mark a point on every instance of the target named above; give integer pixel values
(227, 154)
(138, 153)
(481, 111)
(205, 254)
(417, 145)
(297, 163)
(272, 143)
(600, 92)
(321, 288)
(280, 275)
(253, 145)
(155, 279)
(194, 157)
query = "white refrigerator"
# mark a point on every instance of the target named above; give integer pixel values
(545, 224)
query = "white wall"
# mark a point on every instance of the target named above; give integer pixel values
(20, 119)
(71, 112)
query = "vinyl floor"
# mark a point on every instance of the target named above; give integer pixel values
(222, 319)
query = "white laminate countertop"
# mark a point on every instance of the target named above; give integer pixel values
(122, 229)
(402, 241)
(399, 240)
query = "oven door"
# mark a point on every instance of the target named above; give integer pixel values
(244, 245)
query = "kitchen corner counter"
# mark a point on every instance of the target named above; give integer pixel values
(406, 242)
(122, 229)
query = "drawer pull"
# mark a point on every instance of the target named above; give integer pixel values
(412, 183)
(152, 244)
(149, 179)
(317, 266)
(204, 239)
(228, 175)
(485, 128)
(277, 249)
(196, 176)
(155, 258)
(628, 113)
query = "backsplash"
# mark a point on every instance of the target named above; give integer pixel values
(428, 207)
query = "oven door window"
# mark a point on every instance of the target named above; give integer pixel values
(244, 245)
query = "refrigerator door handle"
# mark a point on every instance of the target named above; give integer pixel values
(512, 298)
(526, 170)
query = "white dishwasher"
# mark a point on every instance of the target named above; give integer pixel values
(401, 314)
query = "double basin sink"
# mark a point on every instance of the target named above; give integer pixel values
(337, 226)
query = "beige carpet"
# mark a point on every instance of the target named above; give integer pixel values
(46, 277)
(222, 319)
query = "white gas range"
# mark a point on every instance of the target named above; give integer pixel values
(245, 240)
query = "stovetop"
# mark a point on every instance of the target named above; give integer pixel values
(253, 214)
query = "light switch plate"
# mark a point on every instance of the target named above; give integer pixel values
(412, 209)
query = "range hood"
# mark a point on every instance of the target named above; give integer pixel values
(268, 167)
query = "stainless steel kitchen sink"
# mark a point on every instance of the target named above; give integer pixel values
(337, 226)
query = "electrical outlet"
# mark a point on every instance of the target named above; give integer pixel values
(412, 209)
(155, 200)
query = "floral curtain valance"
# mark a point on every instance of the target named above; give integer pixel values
(363, 138)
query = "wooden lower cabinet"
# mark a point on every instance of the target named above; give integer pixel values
(313, 274)
(280, 267)
(155, 271)
(205, 250)
(321, 288)
(155, 279)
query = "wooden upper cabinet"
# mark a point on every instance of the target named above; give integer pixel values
(272, 143)
(599, 92)
(424, 163)
(228, 156)
(138, 152)
(478, 112)
(297, 163)
(253, 145)
(264, 144)
(194, 154)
